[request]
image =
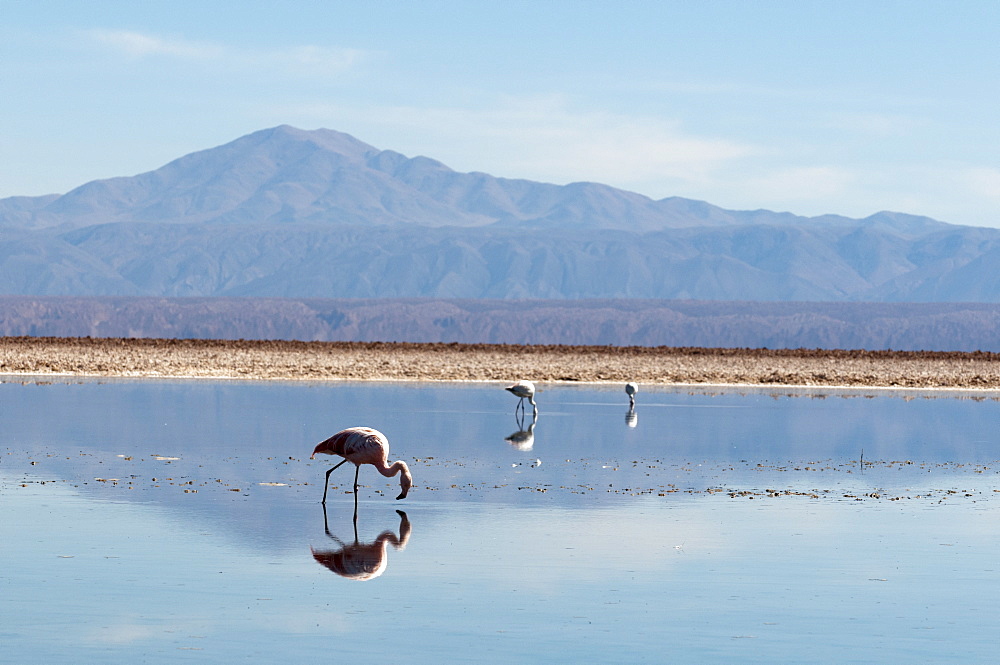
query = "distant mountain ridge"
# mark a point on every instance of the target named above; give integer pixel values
(873, 326)
(290, 213)
(285, 174)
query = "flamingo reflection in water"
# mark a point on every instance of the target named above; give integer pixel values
(362, 561)
(523, 439)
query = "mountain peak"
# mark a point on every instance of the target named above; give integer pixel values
(285, 174)
(326, 139)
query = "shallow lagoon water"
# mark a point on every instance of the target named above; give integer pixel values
(179, 521)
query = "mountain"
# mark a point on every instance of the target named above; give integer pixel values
(284, 175)
(290, 213)
(898, 326)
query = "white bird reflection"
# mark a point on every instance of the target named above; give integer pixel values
(523, 439)
(631, 418)
(362, 561)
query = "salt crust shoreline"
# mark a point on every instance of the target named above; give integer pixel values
(975, 373)
(787, 389)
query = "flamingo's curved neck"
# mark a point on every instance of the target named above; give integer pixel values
(399, 466)
(392, 469)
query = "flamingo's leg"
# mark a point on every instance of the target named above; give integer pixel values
(326, 484)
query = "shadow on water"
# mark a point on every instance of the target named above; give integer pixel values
(361, 561)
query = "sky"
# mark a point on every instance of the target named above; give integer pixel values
(845, 107)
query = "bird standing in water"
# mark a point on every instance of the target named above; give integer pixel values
(363, 445)
(631, 389)
(524, 390)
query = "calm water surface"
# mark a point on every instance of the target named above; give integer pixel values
(180, 521)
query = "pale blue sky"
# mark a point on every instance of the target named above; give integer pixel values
(845, 107)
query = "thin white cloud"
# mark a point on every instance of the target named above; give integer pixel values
(541, 139)
(139, 45)
(984, 182)
(308, 60)
(949, 193)
(872, 124)
(805, 183)
(303, 60)
(811, 96)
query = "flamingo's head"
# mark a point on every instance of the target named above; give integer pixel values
(320, 448)
(405, 481)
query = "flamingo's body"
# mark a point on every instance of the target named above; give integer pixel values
(631, 389)
(364, 445)
(524, 390)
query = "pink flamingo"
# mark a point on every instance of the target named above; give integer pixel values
(363, 445)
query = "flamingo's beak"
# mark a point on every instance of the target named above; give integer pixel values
(313, 456)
